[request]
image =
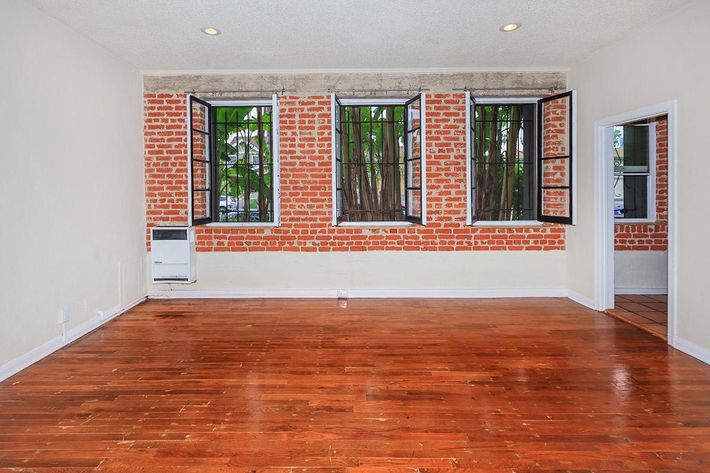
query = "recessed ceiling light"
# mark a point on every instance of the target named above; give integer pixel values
(510, 27)
(208, 30)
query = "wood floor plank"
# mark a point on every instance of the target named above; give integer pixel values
(377, 385)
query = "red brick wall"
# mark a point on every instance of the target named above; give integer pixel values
(650, 236)
(306, 181)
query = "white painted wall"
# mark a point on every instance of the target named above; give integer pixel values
(662, 61)
(415, 273)
(642, 270)
(71, 183)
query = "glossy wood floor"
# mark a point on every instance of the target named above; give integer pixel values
(379, 385)
(646, 312)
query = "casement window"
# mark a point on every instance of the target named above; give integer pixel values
(634, 157)
(234, 162)
(378, 161)
(520, 160)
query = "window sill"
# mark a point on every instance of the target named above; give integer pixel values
(634, 221)
(375, 224)
(506, 223)
(242, 224)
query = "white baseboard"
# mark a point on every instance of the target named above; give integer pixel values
(33, 356)
(355, 293)
(692, 349)
(649, 291)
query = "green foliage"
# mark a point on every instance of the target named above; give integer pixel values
(500, 162)
(372, 155)
(244, 159)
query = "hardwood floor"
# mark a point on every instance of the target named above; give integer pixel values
(646, 312)
(379, 385)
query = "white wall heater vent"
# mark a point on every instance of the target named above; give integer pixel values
(172, 253)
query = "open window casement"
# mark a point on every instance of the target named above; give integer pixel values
(378, 160)
(201, 169)
(415, 162)
(549, 173)
(555, 185)
(220, 158)
(470, 158)
(337, 133)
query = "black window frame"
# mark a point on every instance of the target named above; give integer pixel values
(530, 164)
(337, 114)
(214, 187)
(541, 158)
(411, 217)
(537, 166)
(209, 134)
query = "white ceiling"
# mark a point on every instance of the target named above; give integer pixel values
(353, 34)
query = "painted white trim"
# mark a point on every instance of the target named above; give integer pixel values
(652, 176)
(357, 293)
(188, 125)
(374, 101)
(604, 206)
(692, 349)
(646, 291)
(423, 144)
(507, 223)
(581, 299)
(21, 362)
(375, 224)
(573, 182)
(276, 150)
(634, 221)
(334, 170)
(469, 211)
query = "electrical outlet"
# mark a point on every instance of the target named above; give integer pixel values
(63, 316)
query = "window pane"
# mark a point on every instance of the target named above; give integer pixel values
(201, 204)
(555, 127)
(631, 148)
(200, 146)
(414, 202)
(556, 202)
(415, 114)
(631, 171)
(372, 150)
(631, 196)
(200, 175)
(199, 117)
(555, 172)
(414, 160)
(502, 162)
(245, 163)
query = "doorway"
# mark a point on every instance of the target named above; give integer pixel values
(636, 157)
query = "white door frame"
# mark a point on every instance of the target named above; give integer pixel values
(604, 208)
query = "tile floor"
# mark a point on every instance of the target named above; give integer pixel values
(647, 312)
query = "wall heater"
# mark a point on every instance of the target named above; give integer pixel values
(173, 254)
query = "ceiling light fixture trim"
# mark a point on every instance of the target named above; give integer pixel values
(509, 27)
(211, 31)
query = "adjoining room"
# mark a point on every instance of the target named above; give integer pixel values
(354, 236)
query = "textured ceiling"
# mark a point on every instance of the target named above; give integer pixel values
(353, 34)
